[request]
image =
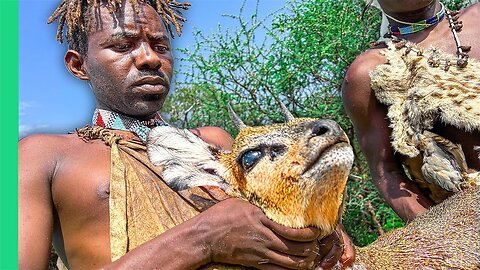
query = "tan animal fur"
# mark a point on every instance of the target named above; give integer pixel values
(302, 184)
(298, 181)
(419, 90)
(445, 237)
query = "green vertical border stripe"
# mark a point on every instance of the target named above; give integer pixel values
(8, 133)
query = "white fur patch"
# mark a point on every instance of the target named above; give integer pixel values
(187, 160)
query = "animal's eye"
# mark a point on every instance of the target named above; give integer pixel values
(249, 158)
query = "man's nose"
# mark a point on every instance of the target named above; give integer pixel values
(147, 58)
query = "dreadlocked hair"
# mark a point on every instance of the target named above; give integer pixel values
(74, 14)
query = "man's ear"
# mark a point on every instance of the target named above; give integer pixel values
(74, 62)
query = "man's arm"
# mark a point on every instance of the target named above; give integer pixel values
(232, 231)
(36, 163)
(369, 119)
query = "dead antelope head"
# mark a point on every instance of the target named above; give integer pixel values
(295, 171)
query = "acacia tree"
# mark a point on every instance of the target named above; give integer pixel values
(300, 58)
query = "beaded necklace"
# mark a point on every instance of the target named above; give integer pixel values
(113, 120)
(411, 28)
(455, 26)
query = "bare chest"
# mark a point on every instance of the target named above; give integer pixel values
(82, 181)
(444, 39)
(80, 191)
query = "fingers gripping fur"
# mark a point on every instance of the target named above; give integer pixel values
(187, 160)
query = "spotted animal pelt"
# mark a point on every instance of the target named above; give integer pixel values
(423, 86)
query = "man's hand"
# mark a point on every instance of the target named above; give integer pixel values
(240, 233)
(335, 247)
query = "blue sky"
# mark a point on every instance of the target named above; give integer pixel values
(53, 101)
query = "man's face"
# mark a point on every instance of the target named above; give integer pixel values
(129, 61)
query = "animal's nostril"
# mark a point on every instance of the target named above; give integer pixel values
(320, 128)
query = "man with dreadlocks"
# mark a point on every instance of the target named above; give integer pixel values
(414, 105)
(95, 194)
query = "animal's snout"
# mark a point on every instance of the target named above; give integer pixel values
(325, 128)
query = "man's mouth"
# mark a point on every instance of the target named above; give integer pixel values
(152, 87)
(151, 80)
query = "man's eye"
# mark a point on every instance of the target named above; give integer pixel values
(249, 158)
(160, 48)
(123, 47)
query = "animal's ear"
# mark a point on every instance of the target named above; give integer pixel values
(187, 161)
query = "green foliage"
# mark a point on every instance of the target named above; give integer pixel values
(298, 56)
(301, 59)
(239, 66)
(458, 4)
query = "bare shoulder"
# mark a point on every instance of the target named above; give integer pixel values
(214, 135)
(356, 84)
(48, 144)
(470, 17)
(472, 11)
(39, 157)
(43, 152)
(364, 63)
